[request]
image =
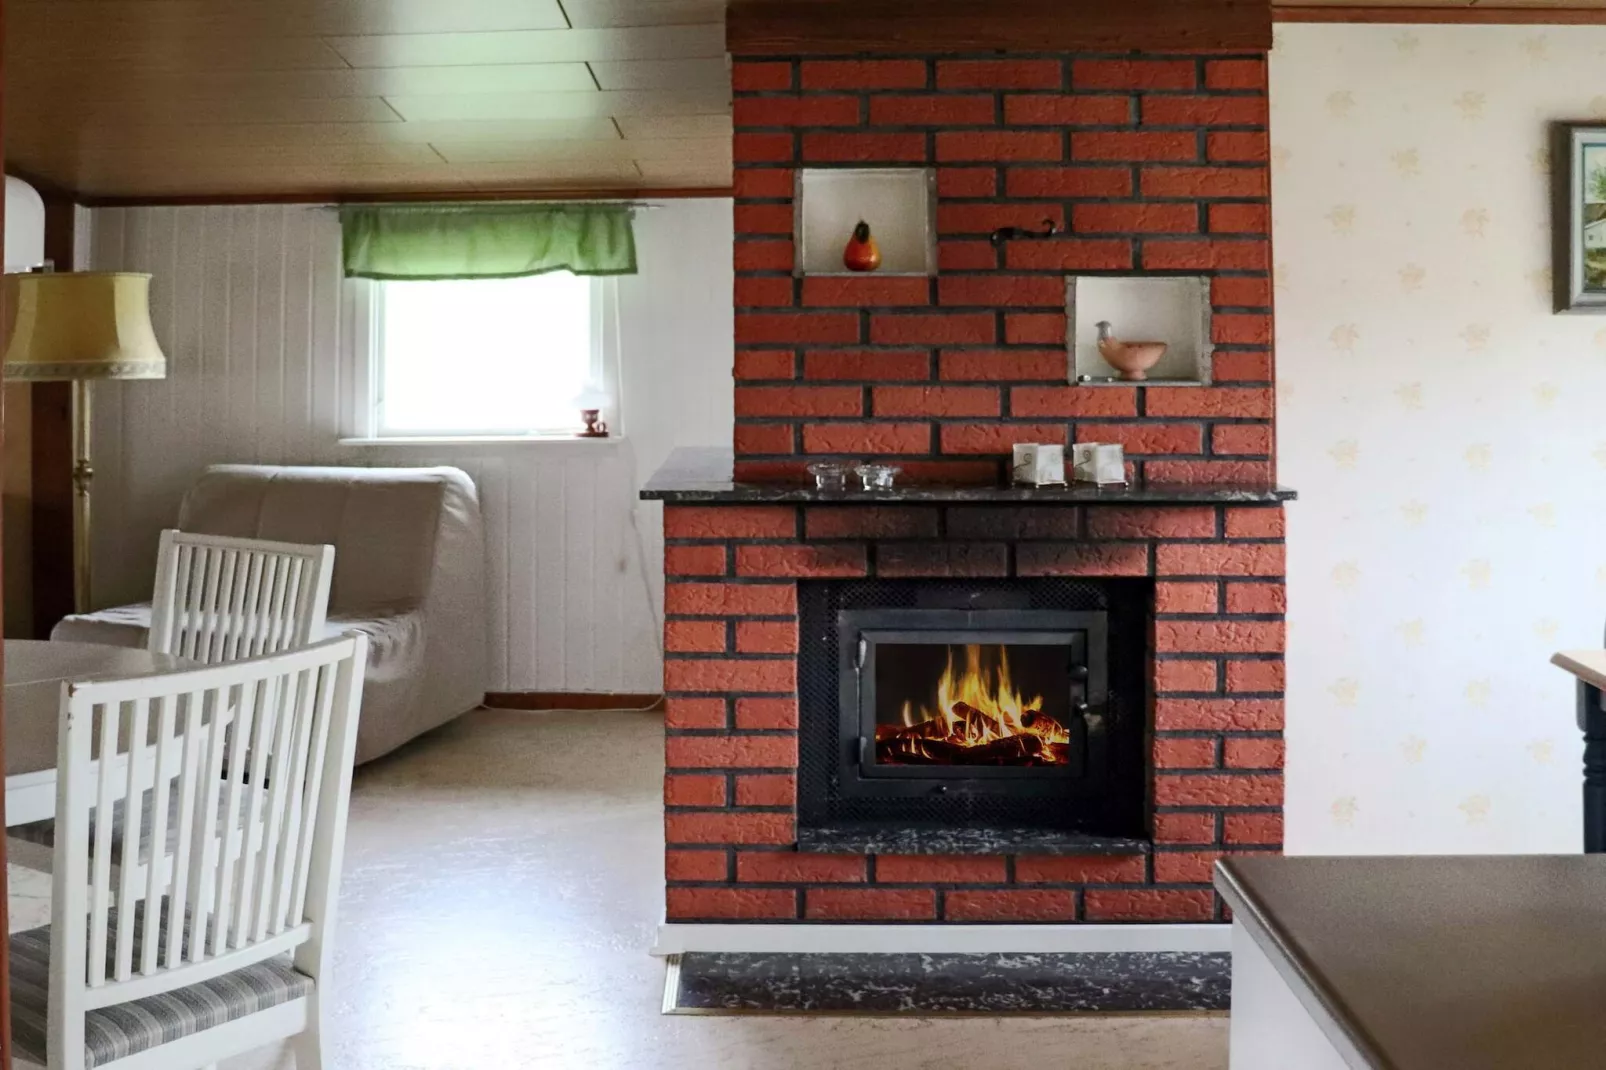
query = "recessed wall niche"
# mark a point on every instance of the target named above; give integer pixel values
(897, 202)
(1174, 309)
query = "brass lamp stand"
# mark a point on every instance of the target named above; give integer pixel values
(80, 326)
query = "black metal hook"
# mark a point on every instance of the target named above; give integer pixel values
(1004, 234)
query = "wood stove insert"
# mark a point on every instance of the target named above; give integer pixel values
(944, 715)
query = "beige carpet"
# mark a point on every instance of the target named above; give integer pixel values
(503, 879)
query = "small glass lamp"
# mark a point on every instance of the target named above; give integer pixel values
(591, 401)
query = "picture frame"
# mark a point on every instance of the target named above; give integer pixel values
(1578, 186)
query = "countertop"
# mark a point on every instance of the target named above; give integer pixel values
(703, 475)
(1588, 665)
(1439, 962)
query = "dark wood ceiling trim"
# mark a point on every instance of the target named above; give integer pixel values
(851, 27)
(357, 197)
(1481, 16)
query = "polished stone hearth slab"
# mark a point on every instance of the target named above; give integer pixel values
(948, 840)
(923, 984)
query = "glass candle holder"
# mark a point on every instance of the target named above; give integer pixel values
(830, 475)
(877, 476)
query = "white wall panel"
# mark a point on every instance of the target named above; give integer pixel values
(1443, 430)
(252, 311)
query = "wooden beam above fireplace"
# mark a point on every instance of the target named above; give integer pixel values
(845, 27)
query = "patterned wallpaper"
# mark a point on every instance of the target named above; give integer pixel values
(1445, 432)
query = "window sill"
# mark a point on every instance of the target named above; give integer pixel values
(480, 440)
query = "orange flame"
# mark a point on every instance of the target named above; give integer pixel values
(976, 707)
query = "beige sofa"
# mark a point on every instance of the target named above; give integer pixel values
(409, 574)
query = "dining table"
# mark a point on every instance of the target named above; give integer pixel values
(34, 672)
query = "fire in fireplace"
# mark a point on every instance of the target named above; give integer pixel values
(937, 697)
(971, 705)
(971, 710)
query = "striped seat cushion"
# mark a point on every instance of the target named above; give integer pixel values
(125, 1029)
(43, 832)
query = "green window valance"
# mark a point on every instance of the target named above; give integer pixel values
(487, 241)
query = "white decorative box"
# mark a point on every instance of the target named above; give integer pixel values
(1038, 465)
(1098, 462)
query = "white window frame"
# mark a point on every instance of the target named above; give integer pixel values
(364, 338)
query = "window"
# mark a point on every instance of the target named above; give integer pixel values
(483, 357)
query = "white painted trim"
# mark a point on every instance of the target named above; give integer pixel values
(544, 441)
(1248, 932)
(678, 938)
(1273, 1026)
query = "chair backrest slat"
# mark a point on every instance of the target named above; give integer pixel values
(133, 820)
(228, 787)
(278, 794)
(288, 863)
(194, 742)
(169, 756)
(232, 817)
(323, 709)
(106, 798)
(222, 599)
(254, 836)
(250, 623)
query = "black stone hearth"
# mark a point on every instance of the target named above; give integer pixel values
(959, 840)
(926, 984)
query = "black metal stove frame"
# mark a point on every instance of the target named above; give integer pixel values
(1106, 625)
(862, 633)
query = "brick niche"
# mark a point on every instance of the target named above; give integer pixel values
(1154, 164)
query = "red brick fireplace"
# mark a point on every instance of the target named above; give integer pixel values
(1153, 164)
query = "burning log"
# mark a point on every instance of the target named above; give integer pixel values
(1007, 751)
(910, 750)
(1044, 727)
(979, 718)
(913, 750)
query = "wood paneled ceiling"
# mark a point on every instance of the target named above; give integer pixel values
(152, 99)
(1440, 6)
(145, 100)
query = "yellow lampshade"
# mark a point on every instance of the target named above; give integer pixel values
(81, 325)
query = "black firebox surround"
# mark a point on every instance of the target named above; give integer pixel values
(1107, 801)
(860, 634)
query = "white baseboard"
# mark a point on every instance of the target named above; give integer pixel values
(677, 938)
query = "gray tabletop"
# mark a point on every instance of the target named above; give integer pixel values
(34, 671)
(1434, 963)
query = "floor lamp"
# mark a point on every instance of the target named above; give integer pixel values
(80, 326)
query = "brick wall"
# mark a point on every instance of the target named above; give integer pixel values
(1152, 163)
(731, 640)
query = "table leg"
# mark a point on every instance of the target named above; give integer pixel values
(1592, 720)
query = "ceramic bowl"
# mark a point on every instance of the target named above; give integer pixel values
(1132, 359)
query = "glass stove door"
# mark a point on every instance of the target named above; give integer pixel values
(973, 705)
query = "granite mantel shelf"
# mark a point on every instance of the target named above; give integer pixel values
(703, 476)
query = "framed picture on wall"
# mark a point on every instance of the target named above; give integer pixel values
(1578, 168)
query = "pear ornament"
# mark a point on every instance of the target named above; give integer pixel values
(862, 253)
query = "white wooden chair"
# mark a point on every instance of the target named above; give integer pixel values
(220, 599)
(222, 943)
